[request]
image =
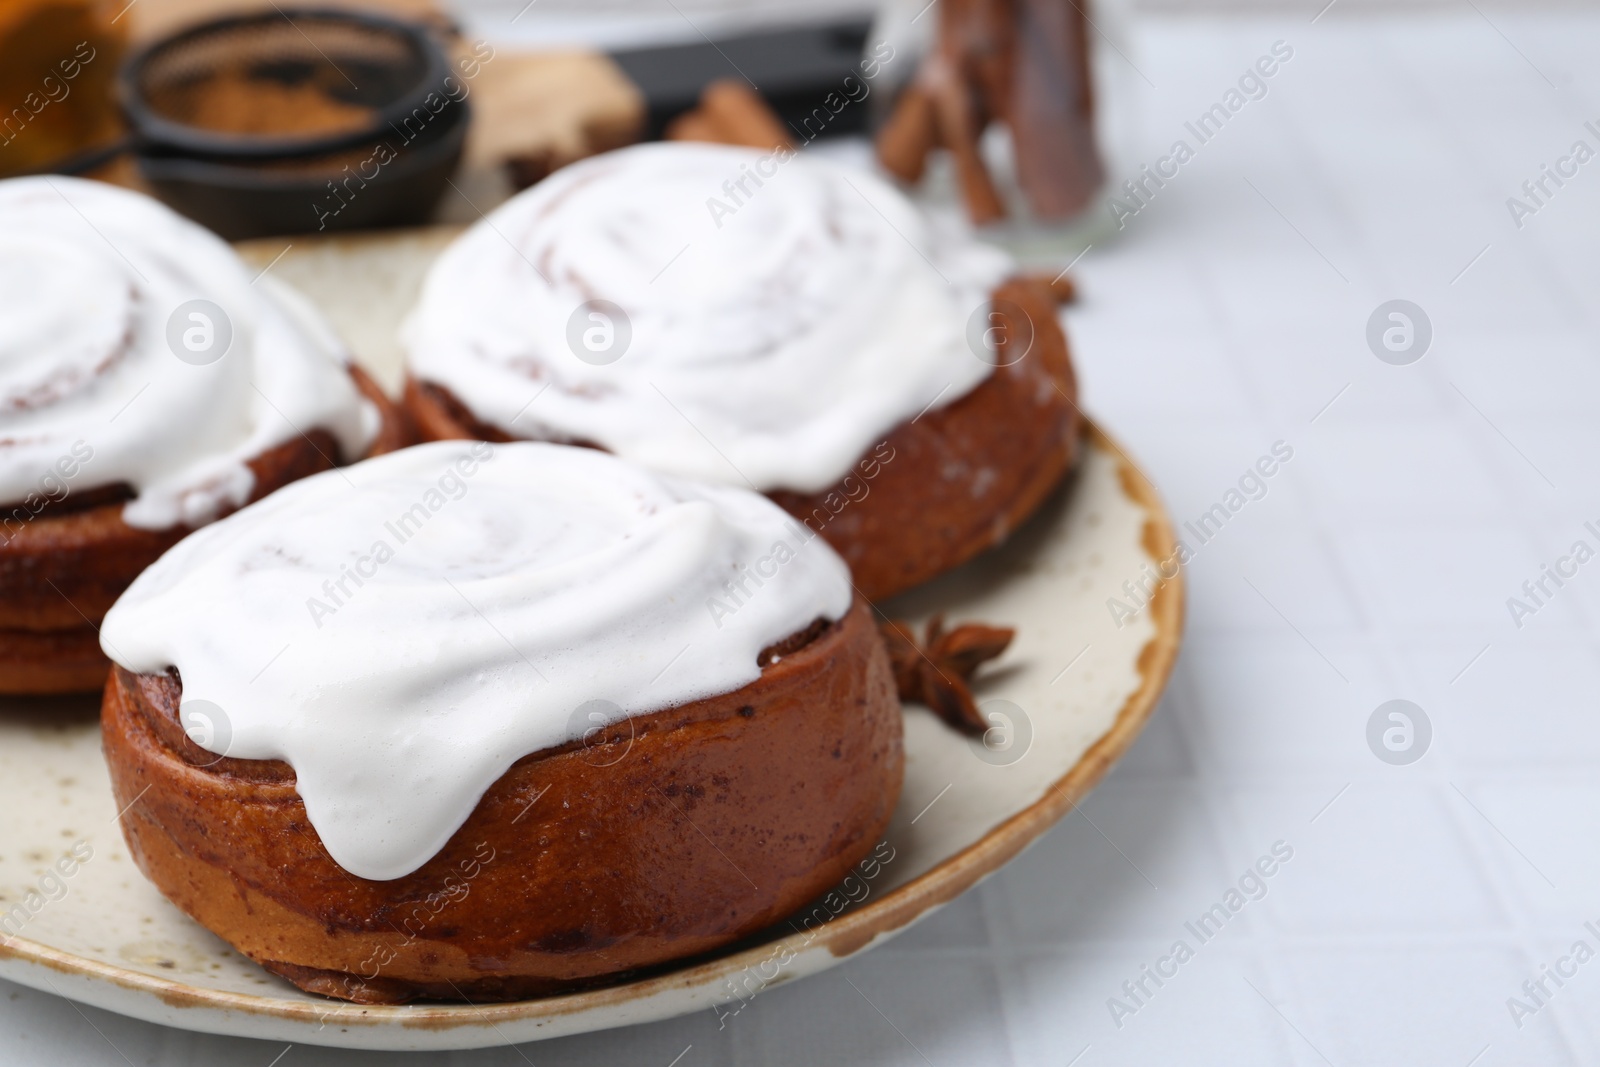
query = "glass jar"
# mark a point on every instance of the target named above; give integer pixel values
(911, 28)
(58, 63)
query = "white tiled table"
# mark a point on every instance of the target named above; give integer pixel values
(1225, 318)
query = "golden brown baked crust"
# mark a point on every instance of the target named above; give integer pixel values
(940, 488)
(61, 571)
(670, 835)
(960, 478)
(40, 662)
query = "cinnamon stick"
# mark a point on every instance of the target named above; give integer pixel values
(978, 38)
(1023, 62)
(730, 112)
(1060, 284)
(693, 126)
(742, 116)
(959, 131)
(909, 135)
(1052, 108)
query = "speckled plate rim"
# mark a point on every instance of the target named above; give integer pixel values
(447, 1026)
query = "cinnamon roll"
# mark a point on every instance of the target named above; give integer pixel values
(488, 727)
(148, 385)
(764, 320)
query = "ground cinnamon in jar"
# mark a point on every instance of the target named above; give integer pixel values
(236, 101)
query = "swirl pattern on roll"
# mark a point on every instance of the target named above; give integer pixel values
(779, 315)
(137, 338)
(402, 644)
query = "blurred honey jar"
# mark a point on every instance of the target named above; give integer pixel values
(58, 60)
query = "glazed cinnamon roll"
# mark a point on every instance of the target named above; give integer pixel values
(479, 730)
(764, 320)
(148, 385)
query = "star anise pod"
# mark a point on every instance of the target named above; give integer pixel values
(935, 671)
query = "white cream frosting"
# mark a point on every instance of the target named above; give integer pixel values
(90, 277)
(778, 331)
(529, 580)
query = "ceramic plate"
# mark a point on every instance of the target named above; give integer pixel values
(1067, 700)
